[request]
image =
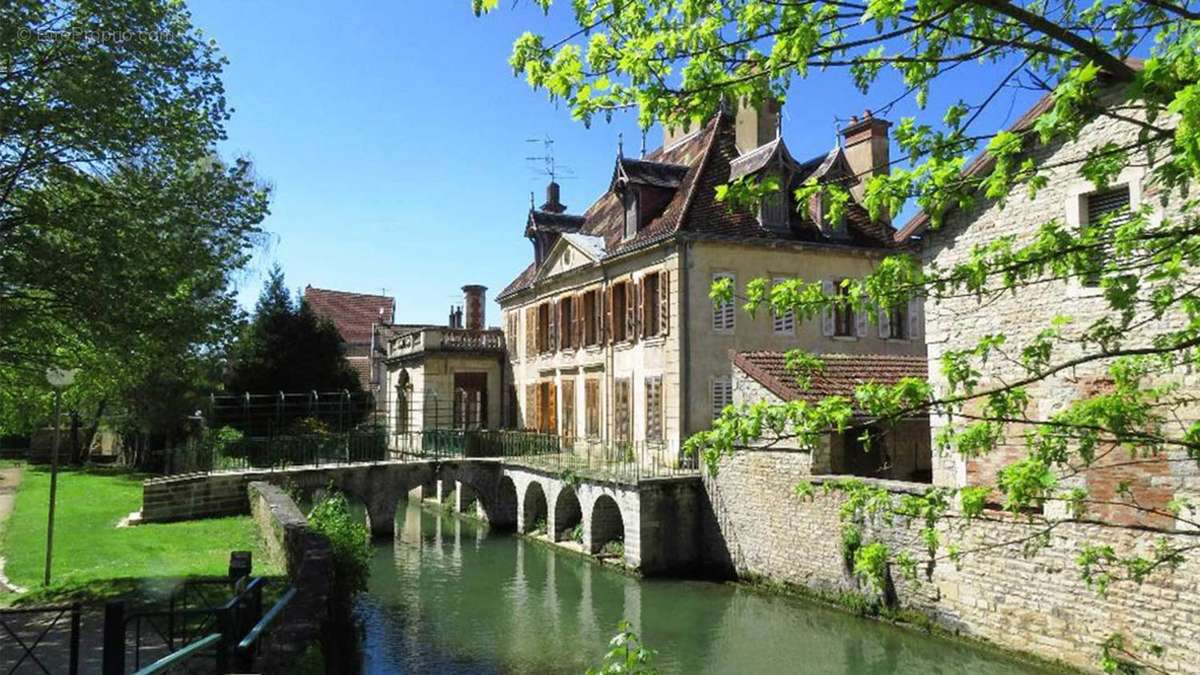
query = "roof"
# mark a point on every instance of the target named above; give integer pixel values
(774, 152)
(702, 161)
(646, 172)
(841, 374)
(354, 314)
(553, 222)
(589, 244)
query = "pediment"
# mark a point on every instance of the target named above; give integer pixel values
(570, 252)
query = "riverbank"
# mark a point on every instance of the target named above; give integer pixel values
(93, 557)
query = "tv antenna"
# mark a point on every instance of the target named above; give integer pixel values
(549, 166)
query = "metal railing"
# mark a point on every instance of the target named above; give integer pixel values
(251, 646)
(15, 623)
(621, 462)
(201, 455)
(459, 443)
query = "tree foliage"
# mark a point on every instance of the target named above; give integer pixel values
(677, 61)
(121, 232)
(286, 347)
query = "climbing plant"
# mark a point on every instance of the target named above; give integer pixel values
(676, 62)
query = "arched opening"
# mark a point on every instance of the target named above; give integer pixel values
(501, 513)
(607, 529)
(534, 510)
(568, 517)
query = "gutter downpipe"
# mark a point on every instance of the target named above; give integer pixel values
(684, 345)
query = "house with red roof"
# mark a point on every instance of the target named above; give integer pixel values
(612, 337)
(365, 322)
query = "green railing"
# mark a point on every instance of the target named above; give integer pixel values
(278, 452)
(458, 443)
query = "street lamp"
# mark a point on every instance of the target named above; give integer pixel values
(59, 378)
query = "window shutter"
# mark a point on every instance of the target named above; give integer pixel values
(640, 294)
(598, 308)
(552, 408)
(916, 318)
(578, 312)
(552, 332)
(530, 331)
(827, 328)
(861, 323)
(630, 311)
(885, 323)
(531, 406)
(607, 333)
(664, 301)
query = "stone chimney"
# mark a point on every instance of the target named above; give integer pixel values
(475, 297)
(553, 203)
(867, 149)
(755, 127)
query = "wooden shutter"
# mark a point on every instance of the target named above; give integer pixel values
(827, 326)
(530, 331)
(916, 318)
(885, 323)
(608, 315)
(531, 406)
(630, 311)
(639, 294)
(664, 301)
(552, 329)
(552, 408)
(580, 314)
(860, 323)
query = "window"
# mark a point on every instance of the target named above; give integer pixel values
(511, 339)
(568, 408)
(898, 323)
(843, 312)
(619, 312)
(723, 312)
(470, 400)
(591, 407)
(722, 394)
(566, 319)
(624, 406)
(547, 400)
(631, 212)
(773, 210)
(1109, 208)
(650, 304)
(783, 324)
(654, 412)
(590, 314)
(543, 327)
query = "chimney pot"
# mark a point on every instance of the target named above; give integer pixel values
(553, 203)
(474, 297)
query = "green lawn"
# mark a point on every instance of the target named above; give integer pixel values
(94, 557)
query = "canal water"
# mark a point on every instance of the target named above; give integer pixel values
(447, 596)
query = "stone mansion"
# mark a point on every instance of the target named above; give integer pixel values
(611, 335)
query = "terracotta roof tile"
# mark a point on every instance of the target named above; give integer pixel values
(354, 314)
(841, 374)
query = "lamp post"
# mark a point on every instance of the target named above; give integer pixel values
(59, 378)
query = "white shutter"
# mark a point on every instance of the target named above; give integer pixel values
(723, 313)
(916, 319)
(885, 323)
(861, 323)
(784, 324)
(827, 313)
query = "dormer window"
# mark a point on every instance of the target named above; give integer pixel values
(631, 212)
(773, 210)
(819, 210)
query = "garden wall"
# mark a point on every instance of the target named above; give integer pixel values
(1030, 603)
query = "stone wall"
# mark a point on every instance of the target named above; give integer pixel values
(195, 496)
(1035, 604)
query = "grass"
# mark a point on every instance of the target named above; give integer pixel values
(94, 558)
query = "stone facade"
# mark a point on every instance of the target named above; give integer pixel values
(1036, 604)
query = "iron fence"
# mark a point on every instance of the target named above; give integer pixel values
(622, 462)
(30, 636)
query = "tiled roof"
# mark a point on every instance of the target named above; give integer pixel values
(555, 222)
(705, 158)
(593, 246)
(354, 314)
(775, 151)
(841, 374)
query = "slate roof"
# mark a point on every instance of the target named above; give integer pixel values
(554, 222)
(354, 314)
(593, 246)
(704, 159)
(841, 374)
(645, 172)
(756, 159)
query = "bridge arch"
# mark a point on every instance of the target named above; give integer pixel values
(605, 524)
(567, 514)
(534, 509)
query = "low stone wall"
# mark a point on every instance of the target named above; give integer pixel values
(195, 496)
(1030, 603)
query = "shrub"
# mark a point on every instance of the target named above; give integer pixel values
(626, 655)
(349, 542)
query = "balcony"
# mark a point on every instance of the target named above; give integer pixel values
(439, 339)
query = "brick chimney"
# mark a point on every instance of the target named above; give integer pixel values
(475, 299)
(867, 149)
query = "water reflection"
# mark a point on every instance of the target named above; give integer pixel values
(447, 597)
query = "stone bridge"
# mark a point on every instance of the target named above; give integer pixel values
(658, 519)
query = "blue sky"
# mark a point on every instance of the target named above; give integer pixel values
(394, 134)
